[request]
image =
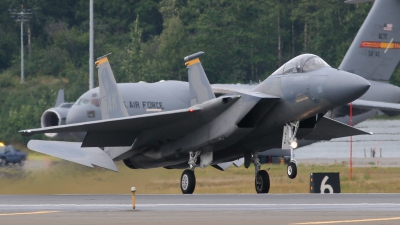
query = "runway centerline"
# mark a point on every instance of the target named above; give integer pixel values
(27, 213)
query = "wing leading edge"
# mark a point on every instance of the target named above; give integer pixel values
(386, 106)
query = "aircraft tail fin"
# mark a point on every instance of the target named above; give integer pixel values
(375, 52)
(112, 105)
(199, 86)
(60, 97)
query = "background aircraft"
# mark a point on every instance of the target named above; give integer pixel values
(208, 130)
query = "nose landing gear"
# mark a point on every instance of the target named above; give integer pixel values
(292, 166)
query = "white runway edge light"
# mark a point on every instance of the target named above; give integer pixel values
(293, 144)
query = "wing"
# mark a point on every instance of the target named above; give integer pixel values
(327, 129)
(386, 106)
(123, 131)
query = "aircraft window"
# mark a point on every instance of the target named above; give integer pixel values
(66, 105)
(85, 101)
(292, 67)
(95, 102)
(313, 64)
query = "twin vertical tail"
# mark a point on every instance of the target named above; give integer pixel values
(112, 105)
(375, 52)
(199, 86)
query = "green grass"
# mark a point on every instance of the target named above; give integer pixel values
(61, 177)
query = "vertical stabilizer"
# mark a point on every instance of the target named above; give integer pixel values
(375, 52)
(199, 86)
(112, 105)
(60, 97)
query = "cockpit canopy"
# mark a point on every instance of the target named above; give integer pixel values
(302, 64)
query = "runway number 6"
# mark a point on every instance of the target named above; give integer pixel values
(326, 186)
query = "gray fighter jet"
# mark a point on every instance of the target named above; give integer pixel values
(189, 127)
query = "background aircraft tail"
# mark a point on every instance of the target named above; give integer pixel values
(375, 52)
(112, 105)
(60, 97)
(199, 86)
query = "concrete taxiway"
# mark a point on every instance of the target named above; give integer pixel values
(200, 209)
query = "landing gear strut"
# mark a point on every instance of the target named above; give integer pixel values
(292, 166)
(261, 182)
(188, 179)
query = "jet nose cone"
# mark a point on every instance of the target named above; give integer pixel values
(344, 87)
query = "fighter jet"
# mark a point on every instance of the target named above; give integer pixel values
(206, 130)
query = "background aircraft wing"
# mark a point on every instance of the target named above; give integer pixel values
(327, 129)
(386, 106)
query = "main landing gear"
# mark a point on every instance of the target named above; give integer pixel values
(261, 181)
(292, 166)
(188, 179)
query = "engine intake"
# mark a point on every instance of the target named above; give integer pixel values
(54, 117)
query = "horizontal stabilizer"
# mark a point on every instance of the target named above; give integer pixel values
(327, 129)
(72, 151)
(386, 106)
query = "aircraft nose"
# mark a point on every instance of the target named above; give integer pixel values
(344, 87)
(76, 115)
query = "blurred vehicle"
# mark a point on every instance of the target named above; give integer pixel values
(9, 155)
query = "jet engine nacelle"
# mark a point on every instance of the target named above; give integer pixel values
(55, 117)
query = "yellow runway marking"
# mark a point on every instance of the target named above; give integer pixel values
(350, 221)
(27, 213)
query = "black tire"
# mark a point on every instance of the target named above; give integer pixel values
(292, 170)
(261, 182)
(188, 182)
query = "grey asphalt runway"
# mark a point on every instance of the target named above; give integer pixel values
(201, 209)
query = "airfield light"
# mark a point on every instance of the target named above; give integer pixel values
(293, 144)
(2, 144)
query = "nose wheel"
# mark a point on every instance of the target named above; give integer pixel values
(292, 170)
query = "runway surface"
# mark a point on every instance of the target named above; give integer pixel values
(201, 209)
